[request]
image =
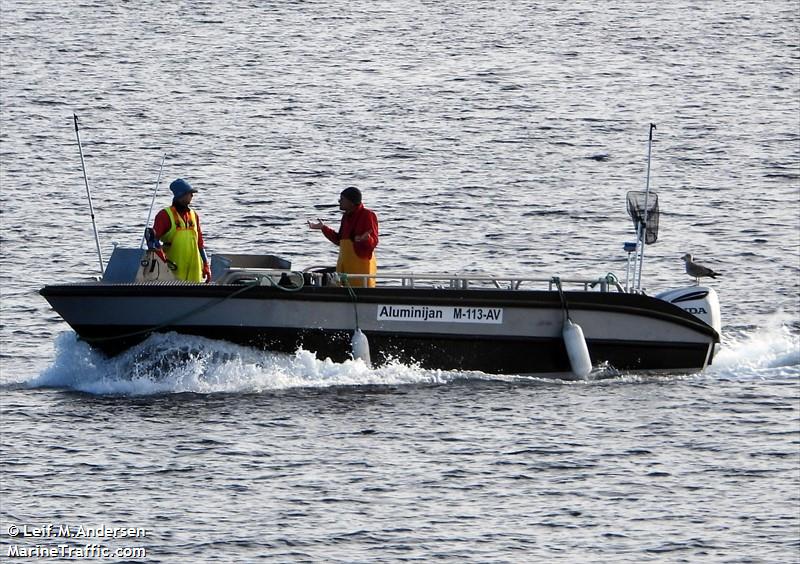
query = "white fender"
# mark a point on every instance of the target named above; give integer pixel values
(578, 352)
(360, 347)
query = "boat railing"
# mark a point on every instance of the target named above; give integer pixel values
(453, 281)
(465, 281)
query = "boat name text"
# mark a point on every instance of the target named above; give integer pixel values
(455, 314)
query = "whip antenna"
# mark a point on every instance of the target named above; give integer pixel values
(89, 195)
(643, 235)
(153, 201)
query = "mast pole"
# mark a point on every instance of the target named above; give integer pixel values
(89, 195)
(153, 201)
(643, 235)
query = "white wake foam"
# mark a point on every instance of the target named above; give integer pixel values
(172, 363)
(772, 350)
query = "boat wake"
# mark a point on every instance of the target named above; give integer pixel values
(771, 351)
(172, 363)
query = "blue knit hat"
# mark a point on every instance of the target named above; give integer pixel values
(180, 187)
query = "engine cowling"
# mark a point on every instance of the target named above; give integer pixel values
(700, 301)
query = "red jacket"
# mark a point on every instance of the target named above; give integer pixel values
(357, 222)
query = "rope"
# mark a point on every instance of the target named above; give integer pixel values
(557, 282)
(610, 279)
(199, 309)
(346, 282)
(286, 288)
(181, 317)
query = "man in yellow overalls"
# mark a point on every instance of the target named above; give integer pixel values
(178, 228)
(357, 238)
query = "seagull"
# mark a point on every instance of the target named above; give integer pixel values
(697, 271)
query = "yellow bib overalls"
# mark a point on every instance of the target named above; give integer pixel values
(350, 263)
(180, 246)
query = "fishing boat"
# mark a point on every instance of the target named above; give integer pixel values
(490, 322)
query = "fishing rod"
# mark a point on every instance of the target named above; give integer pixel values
(643, 237)
(89, 195)
(153, 201)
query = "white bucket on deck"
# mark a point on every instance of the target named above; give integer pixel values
(153, 269)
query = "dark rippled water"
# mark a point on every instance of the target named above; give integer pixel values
(498, 136)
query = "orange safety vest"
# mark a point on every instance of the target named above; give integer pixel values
(181, 246)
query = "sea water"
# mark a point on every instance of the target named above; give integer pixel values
(496, 137)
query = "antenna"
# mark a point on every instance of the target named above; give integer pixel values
(89, 195)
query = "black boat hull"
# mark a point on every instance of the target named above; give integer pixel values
(625, 331)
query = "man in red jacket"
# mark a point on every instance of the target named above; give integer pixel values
(357, 238)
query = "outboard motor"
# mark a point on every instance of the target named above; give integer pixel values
(700, 301)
